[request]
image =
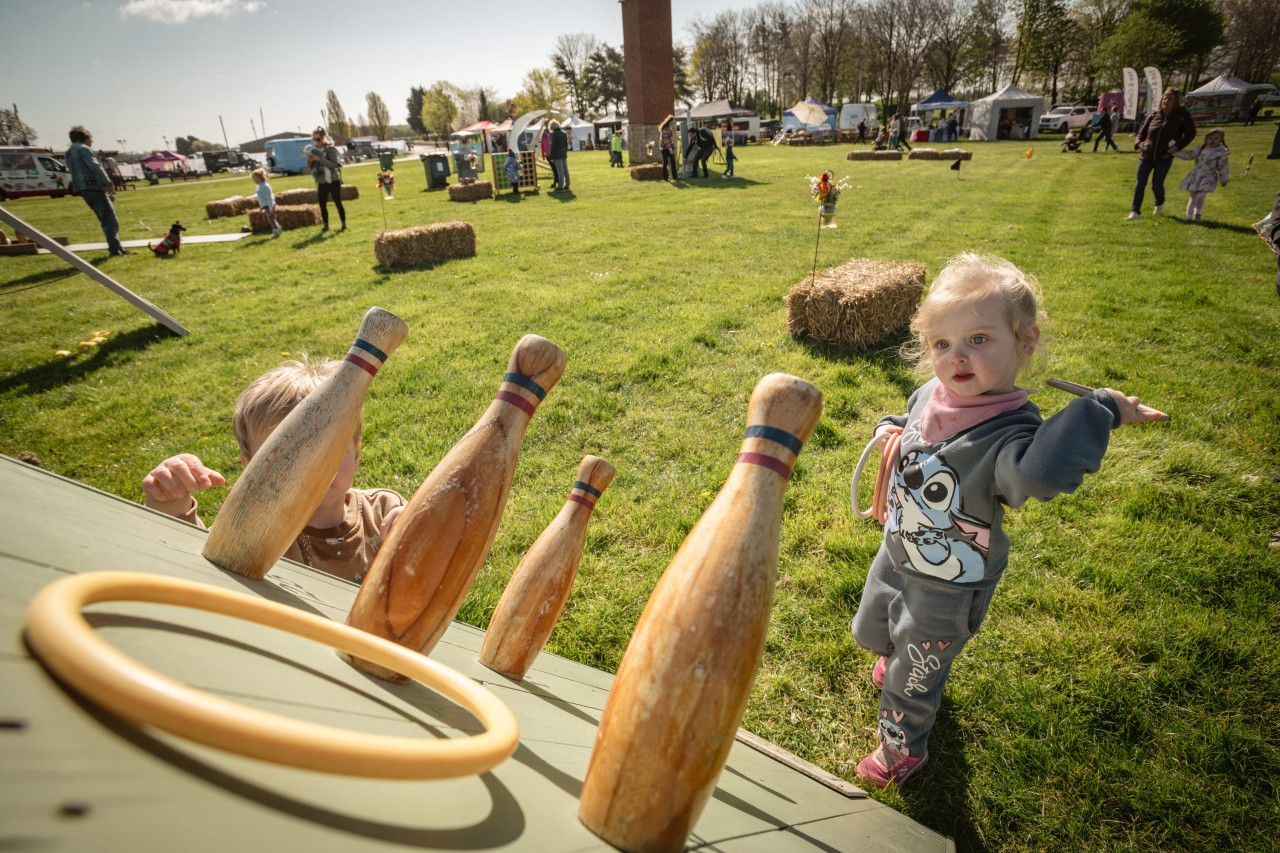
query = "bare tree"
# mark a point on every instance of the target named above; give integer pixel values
(720, 55)
(1251, 44)
(335, 117)
(379, 115)
(570, 58)
(948, 57)
(831, 37)
(14, 131)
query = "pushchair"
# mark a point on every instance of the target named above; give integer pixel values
(1071, 143)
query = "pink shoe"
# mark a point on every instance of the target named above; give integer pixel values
(877, 673)
(882, 767)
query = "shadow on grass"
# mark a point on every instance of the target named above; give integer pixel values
(939, 799)
(884, 357)
(73, 368)
(1225, 226)
(37, 279)
(561, 195)
(718, 182)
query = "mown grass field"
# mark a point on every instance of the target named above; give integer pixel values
(1124, 691)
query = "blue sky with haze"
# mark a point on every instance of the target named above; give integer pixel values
(144, 70)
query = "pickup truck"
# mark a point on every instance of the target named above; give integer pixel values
(1062, 119)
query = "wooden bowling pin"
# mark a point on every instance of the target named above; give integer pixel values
(533, 600)
(286, 479)
(435, 550)
(685, 678)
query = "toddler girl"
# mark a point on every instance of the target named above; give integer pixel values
(971, 444)
(266, 200)
(1211, 169)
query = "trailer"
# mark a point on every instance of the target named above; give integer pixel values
(288, 156)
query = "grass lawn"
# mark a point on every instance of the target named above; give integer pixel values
(1123, 693)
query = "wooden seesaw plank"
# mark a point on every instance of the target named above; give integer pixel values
(46, 242)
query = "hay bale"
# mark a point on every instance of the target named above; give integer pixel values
(311, 195)
(858, 304)
(924, 154)
(862, 154)
(425, 244)
(886, 155)
(233, 206)
(647, 172)
(288, 216)
(471, 192)
(955, 154)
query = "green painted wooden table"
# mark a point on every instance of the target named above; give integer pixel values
(74, 777)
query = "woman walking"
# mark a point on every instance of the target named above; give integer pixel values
(1166, 131)
(326, 168)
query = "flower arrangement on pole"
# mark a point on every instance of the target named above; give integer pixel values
(387, 183)
(826, 191)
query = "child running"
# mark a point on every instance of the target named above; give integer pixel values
(1211, 168)
(729, 157)
(344, 533)
(971, 445)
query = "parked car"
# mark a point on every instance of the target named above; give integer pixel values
(1062, 119)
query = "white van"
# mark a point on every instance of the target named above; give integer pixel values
(30, 172)
(851, 114)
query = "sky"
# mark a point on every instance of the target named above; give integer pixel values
(138, 72)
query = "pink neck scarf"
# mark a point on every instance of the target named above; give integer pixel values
(947, 414)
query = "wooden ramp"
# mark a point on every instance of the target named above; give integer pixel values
(76, 778)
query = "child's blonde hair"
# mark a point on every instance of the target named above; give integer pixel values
(260, 173)
(966, 280)
(1218, 132)
(264, 404)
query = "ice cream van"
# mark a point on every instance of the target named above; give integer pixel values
(30, 172)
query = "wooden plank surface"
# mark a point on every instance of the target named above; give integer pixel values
(73, 777)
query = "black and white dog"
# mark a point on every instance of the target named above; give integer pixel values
(171, 243)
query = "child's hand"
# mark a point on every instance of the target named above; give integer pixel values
(170, 485)
(1132, 411)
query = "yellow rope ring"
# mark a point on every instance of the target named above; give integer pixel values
(61, 637)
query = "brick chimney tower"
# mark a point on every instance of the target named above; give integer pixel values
(646, 47)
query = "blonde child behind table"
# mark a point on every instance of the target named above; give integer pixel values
(344, 534)
(971, 445)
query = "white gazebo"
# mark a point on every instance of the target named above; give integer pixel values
(1010, 113)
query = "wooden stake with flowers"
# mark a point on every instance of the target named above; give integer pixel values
(826, 192)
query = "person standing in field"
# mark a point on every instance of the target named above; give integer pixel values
(266, 200)
(667, 144)
(92, 183)
(326, 168)
(1165, 132)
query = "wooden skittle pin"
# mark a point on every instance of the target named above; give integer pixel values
(286, 479)
(684, 681)
(533, 600)
(428, 563)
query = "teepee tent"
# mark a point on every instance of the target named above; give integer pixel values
(1005, 114)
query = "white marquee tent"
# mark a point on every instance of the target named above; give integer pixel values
(579, 132)
(996, 115)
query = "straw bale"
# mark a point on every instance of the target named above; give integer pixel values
(471, 192)
(311, 195)
(289, 216)
(955, 154)
(233, 206)
(886, 155)
(863, 154)
(857, 304)
(647, 172)
(425, 244)
(924, 154)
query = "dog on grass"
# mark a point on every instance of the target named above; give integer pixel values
(171, 243)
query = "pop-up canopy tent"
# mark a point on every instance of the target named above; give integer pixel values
(1223, 98)
(939, 100)
(579, 132)
(713, 110)
(165, 161)
(1005, 115)
(790, 121)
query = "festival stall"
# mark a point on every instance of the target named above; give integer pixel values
(578, 131)
(1010, 113)
(1224, 98)
(744, 123)
(792, 122)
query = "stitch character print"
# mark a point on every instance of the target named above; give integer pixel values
(924, 510)
(892, 736)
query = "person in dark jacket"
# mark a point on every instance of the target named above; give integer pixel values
(1165, 132)
(559, 157)
(706, 146)
(1104, 130)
